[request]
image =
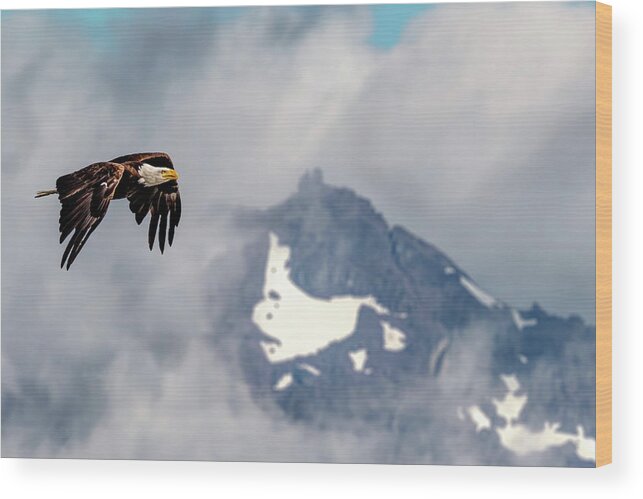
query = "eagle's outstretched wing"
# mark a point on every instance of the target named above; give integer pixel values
(162, 201)
(85, 196)
(158, 159)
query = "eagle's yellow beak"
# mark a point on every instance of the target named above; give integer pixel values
(170, 174)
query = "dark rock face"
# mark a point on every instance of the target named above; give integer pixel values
(458, 341)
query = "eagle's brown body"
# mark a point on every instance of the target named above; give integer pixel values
(147, 180)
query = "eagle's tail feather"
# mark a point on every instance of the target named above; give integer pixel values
(41, 194)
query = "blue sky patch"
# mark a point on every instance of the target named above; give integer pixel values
(390, 21)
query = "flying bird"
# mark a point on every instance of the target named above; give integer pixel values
(147, 180)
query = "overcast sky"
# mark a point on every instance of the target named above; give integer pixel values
(472, 126)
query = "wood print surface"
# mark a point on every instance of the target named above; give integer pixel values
(391, 243)
(603, 234)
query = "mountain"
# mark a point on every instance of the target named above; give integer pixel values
(345, 324)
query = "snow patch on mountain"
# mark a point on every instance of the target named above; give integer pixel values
(300, 324)
(479, 418)
(394, 339)
(480, 295)
(310, 369)
(358, 359)
(284, 382)
(521, 440)
(510, 407)
(520, 322)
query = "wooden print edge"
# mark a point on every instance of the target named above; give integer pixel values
(603, 234)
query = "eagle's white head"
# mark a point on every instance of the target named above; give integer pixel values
(154, 175)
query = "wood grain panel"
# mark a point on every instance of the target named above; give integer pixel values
(603, 234)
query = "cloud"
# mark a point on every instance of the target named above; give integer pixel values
(112, 358)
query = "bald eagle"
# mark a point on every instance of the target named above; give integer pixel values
(147, 180)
